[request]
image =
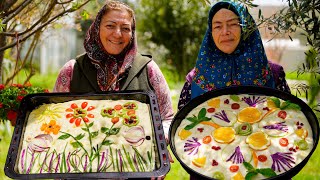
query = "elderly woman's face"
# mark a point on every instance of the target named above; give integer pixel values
(226, 30)
(115, 31)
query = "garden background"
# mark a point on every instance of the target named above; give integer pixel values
(170, 30)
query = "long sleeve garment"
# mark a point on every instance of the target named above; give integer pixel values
(278, 75)
(156, 79)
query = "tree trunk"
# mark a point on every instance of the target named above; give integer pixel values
(2, 44)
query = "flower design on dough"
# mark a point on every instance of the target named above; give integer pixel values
(51, 127)
(79, 113)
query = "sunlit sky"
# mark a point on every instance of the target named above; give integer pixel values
(270, 2)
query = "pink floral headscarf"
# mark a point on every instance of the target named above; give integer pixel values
(110, 68)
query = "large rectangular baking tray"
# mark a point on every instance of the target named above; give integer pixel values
(32, 101)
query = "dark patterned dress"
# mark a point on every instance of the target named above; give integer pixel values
(278, 75)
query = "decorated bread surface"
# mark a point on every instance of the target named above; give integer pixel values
(234, 136)
(88, 136)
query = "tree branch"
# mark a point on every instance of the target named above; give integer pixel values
(43, 25)
(46, 15)
(17, 11)
(5, 5)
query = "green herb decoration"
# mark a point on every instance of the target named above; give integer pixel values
(267, 172)
(196, 120)
(285, 105)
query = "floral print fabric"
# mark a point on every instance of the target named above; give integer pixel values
(277, 71)
(110, 68)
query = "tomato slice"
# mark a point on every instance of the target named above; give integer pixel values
(117, 107)
(74, 106)
(84, 105)
(78, 122)
(206, 140)
(69, 110)
(90, 115)
(234, 168)
(90, 108)
(282, 114)
(211, 110)
(262, 158)
(114, 120)
(69, 115)
(72, 120)
(283, 142)
(131, 112)
(85, 119)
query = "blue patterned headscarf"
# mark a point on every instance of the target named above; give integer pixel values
(247, 65)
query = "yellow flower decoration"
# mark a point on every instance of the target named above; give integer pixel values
(52, 127)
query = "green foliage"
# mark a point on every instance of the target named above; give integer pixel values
(177, 25)
(11, 97)
(2, 26)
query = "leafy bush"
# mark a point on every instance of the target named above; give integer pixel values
(11, 97)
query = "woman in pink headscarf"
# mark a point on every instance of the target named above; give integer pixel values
(111, 61)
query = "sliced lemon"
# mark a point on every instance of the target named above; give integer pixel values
(258, 140)
(199, 162)
(250, 115)
(215, 102)
(224, 134)
(184, 134)
(271, 104)
(303, 133)
(238, 176)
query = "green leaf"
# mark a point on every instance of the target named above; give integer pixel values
(85, 129)
(90, 125)
(76, 144)
(104, 129)
(292, 106)
(65, 136)
(192, 119)
(79, 137)
(94, 134)
(114, 131)
(85, 15)
(190, 126)
(267, 172)
(202, 113)
(248, 166)
(106, 143)
(276, 101)
(250, 175)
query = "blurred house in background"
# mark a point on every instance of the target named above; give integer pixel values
(62, 44)
(280, 49)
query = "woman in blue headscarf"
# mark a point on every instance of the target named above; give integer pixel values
(231, 54)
